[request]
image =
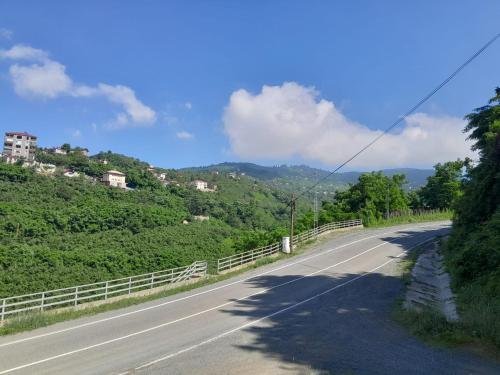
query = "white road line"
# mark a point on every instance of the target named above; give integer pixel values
(187, 317)
(183, 318)
(198, 293)
(253, 322)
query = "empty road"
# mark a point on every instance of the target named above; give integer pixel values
(327, 310)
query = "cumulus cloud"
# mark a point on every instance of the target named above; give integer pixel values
(292, 120)
(46, 78)
(184, 135)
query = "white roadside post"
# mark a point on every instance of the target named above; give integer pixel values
(286, 245)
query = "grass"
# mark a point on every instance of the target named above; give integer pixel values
(438, 216)
(432, 327)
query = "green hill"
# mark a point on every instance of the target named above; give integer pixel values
(298, 178)
(57, 231)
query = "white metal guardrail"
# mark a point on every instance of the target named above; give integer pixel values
(312, 233)
(239, 259)
(76, 295)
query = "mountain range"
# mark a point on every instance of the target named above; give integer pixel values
(298, 178)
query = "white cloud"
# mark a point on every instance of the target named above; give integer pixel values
(291, 120)
(47, 78)
(23, 52)
(6, 33)
(184, 135)
(125, 96)
(188, 105)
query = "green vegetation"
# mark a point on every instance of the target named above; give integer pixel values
(38, 319)
(70, 231)
(473, 250)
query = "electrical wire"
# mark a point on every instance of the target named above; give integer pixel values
(407, 113)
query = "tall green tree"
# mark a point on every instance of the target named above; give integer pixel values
(445, 186)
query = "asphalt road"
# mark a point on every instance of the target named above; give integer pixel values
(327, 310)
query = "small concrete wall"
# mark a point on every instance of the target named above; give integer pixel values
(430, 285)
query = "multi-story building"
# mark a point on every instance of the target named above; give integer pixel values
(19, 146)
(114, 178)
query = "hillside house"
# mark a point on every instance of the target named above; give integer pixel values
(57, 151)
(200, 185)
(114, 179)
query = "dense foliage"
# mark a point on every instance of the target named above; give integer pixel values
(444, 188)
(57, 231)
(473, 251)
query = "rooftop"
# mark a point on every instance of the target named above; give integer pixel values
(115, 172)
(20, 133)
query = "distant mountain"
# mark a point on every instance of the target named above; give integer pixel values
(299, 177)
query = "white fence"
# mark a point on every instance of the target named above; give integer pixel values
(312, 233)
(236, 260)
(250, 256)
(76, 295)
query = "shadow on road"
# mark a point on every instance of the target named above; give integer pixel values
(348, 330)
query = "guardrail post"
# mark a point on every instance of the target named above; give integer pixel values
(152, 279)
(3, 309)
(129, 284)
(106, 290)
(43, 301)
(76, 296)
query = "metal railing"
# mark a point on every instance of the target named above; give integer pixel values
(76, 295)
(313, 233)
(239, 259)
(250, 256)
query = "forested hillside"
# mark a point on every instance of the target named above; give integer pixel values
(57, 231)
(298, 178)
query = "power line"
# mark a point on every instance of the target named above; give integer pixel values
(409, 112)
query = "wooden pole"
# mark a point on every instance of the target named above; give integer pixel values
(292, 220)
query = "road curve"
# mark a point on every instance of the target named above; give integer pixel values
(327, 309)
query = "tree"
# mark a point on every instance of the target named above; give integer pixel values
(373, 196)
(66, 147)
(445, 186)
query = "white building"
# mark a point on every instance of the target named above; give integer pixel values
(19, 146)
(115, 179)
(58, 151)
(200, 185)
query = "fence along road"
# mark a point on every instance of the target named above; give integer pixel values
(237, 260)
(100, 291)
(176, 332)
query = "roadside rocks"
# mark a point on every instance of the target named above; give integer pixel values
(430, 285)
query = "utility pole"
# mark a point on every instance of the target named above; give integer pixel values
(315, 213)
(387, 200)
(292, 219)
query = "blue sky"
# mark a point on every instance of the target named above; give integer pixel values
(199, 82)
